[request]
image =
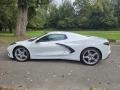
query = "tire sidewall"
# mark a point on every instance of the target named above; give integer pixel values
(81, 56)
(28, 54)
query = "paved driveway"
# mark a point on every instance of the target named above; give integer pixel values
(60, 74)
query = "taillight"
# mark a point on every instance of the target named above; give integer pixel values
(107, 43)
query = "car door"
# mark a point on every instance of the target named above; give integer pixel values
(48, 46)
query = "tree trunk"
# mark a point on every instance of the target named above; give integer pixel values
(21, 21)
(0, 28)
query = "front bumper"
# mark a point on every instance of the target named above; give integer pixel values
(10, 51)
(9, 55)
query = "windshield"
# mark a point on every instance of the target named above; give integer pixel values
(32, 39)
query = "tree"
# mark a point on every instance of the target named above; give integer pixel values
(102, 15)
(83, 9)
(61, 17)
(39, 19)
(52, 16)
(66, 14)
(22, 16)
(7, 15)
(116, 4)
(95, 13)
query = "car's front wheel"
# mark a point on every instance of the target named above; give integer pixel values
(21, 54)
(90, 56)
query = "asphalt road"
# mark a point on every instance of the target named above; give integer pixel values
(60, 74)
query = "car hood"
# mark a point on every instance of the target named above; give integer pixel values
(25, 42)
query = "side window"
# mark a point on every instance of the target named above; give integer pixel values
(53, 37)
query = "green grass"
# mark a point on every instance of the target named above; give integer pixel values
(112, 35)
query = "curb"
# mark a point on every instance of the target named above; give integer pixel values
(114, 41)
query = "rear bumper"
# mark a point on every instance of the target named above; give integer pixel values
(106, 53)
(107, 56)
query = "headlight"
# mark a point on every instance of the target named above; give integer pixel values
(13, 43)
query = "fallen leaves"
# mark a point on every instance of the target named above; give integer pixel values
(5, 88)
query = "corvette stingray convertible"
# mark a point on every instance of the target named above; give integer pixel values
(88, 50)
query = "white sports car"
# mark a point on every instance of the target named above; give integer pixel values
(61, 45)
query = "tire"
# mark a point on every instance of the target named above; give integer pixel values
(21, 54)
(90, 56)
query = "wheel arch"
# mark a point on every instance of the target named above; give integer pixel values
(93, 48)
(18, 47)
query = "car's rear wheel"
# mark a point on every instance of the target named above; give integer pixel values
(90, 56)
(21, 54)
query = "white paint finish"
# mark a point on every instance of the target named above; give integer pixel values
(50, 50)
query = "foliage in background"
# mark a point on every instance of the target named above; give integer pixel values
(7, 15)
(85, 14)
(80, 14)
